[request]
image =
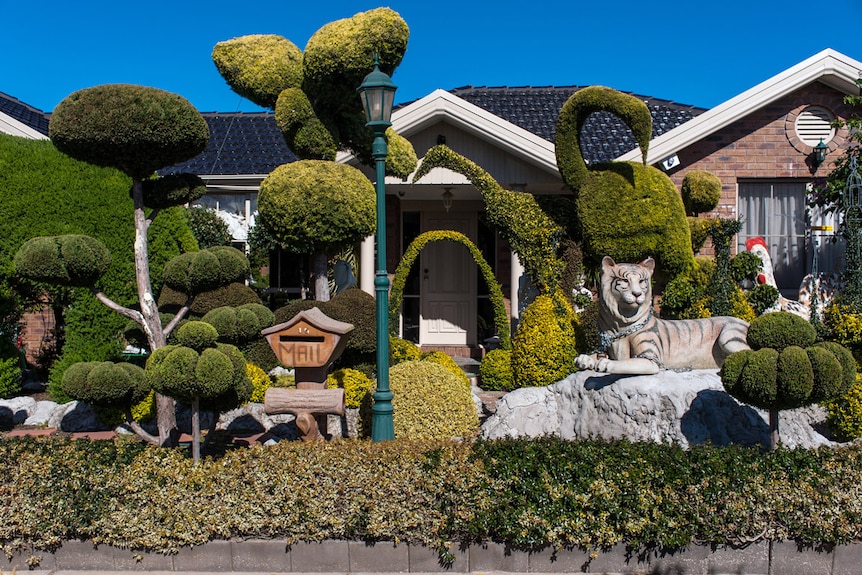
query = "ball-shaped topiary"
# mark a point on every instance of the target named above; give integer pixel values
(195, 272)
(71, 260)
(356, 385)
(544, 347)
(234, 325)
(172, 190)
(197, 335)
(105, 383)
(446, 361)
(259, 66)
(313, 205)
(794, 378)
(750, 376)
(701, 191)
(495, 370)
(136, 129)
(431, 402)
(779, 330)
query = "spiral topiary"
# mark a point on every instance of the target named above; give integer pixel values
(431, 402)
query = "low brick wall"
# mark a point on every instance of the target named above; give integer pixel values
(265, 556)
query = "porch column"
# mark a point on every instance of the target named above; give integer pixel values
(366, 265)
(517, 272)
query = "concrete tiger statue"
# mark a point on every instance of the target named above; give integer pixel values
(635, 342)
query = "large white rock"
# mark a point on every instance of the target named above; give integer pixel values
(688, 408)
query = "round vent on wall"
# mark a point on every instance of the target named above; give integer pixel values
(813, 125)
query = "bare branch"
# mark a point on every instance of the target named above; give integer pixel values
(178, 318)
(132, 314)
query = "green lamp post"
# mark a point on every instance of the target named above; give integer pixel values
(378, 94)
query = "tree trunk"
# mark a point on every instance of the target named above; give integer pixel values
(320, 267)
(774, 438)
(196, 430)
(152, 324)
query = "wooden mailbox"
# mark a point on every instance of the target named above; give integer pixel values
(309, 343)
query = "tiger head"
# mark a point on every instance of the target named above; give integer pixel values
(626, 295)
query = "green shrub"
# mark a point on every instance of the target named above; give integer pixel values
(794, 378)
(401, 350)
(827, 371)
(844, 325)
(106, 383)
(197, 335)
(173, 190)
(762, 297)
(71, 260)
(495, 370)
(356, 385)
(234, 325)
(779, 330)
(260, 382)
(845, 412)
(208, 228)
(543, 349)
(450, 364)
(10, 377)
(701, 191)
(744, 266)
(430, 402)
(699, 230)
(750, 376)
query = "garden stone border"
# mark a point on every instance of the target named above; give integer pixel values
(336, 556)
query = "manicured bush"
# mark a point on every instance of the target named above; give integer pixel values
(430, 402)
(71, 260)
(356, 385)
(544, 348)
(106, 383)
(495, 370)
(402, 350)
(173, 190)
(762, 297)
(450, 364)
(701, 191)
(234, 294)
(779, 330)
(260, 382)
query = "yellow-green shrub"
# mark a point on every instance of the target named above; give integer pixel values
(845, 413)
(430, 402)
(543, 349)
(355, 384)
(260, 382)
(402, 350)
(441, 358)
(495, 371)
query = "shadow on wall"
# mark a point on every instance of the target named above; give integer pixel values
(715, 417)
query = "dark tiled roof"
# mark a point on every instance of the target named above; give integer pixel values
(604, 136)
(239, 143)
(28, 115)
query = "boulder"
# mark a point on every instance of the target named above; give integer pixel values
(76, 416)
(687, 408)
(41, 413)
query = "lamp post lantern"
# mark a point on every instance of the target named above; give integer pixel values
(378, 94)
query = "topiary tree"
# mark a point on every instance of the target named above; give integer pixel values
(544, 347)
(108, 385)
(138, 130)
(625, 210)
(431, 402)
(317, 207)
(200, 372)
(785, 369)
(495, 370)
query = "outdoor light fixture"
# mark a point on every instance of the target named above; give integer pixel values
(447, 199)
(378, 94)
(819, 155)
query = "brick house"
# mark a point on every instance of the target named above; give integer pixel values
(759, 143)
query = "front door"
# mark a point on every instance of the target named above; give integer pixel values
(448, 276)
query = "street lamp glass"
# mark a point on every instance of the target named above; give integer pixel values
(378, 95)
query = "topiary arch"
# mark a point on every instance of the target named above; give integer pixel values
(501, 318)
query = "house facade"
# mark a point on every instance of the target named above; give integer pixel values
(759, 143)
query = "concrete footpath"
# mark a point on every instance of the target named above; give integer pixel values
(252, 557)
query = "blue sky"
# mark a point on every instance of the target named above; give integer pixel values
(698, 53)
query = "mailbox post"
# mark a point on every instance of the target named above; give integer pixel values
(309, 342)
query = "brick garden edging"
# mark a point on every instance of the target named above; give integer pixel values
(779, 558)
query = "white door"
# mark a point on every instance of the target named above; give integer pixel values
(448, 283)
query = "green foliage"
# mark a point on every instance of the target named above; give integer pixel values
(750, 376)
(106, 383)
(450, 364)
(795, 377)
(844, 325)
(10, 376)
(845, 412)
(260, 382)
(744, 266)
(234, 325)
(722, 285)
(309, 138)
(136, 129)
(544, 349)
(779, 330)
(72, 260)
(197, 335)
(259, 66)
(172, 190)
(701, 191)
(501, 317)
(356, 385)
(208, 228)
(699, 230)
(233, 294)
(762, 297)
(401, 350)
(196, 272)
(516, 216)
(314, 205)
(495, 370)
(430, 402)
